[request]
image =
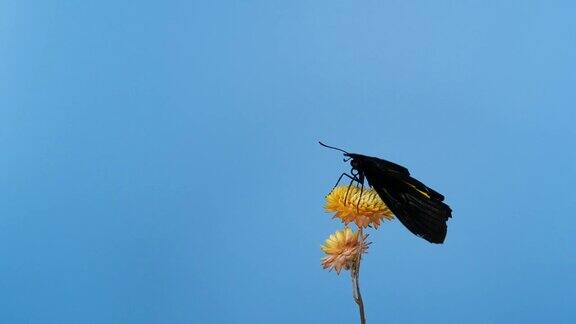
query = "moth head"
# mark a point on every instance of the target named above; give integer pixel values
(355, 163)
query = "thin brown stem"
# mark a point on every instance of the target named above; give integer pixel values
(355, 274)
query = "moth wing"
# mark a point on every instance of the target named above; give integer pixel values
(416, 206)
(389, 166)
(396, 169)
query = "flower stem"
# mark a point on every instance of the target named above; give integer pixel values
(355, 273)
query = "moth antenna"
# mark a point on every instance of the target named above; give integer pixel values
(331, 147)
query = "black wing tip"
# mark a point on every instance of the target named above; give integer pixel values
(435, 240)
(432, 236)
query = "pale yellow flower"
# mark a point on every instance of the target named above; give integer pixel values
(343, 249)
(370, 211)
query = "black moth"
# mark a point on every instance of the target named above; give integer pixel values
(418, 207)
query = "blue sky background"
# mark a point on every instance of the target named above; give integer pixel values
(160, 160)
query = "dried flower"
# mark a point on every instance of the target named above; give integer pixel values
(343, 249)
(369, 211)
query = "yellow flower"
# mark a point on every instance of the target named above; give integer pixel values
(343, 249)
(370, 211)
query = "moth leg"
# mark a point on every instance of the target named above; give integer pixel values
(348, 190)
(355, 173)
(360, 197)
(340, 178)
(352, 179)
(349, 176)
